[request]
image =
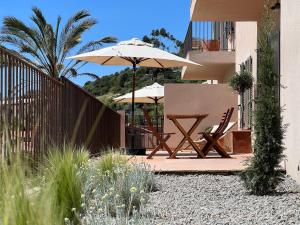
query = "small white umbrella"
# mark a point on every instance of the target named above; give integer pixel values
(134, 53)
(150, 94)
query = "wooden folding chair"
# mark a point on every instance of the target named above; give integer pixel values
(161, 137)
(200, 140)
(213, 137)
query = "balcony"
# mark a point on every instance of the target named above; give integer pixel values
(211, 44)
(222, 10)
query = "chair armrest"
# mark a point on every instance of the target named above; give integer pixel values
(204, 133)
(150, 132)
(167, 133)
(207, 133)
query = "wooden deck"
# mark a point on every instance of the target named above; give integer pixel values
(188, 163)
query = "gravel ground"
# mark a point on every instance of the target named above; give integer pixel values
(216, 200)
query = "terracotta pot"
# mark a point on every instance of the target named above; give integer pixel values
(212, 45)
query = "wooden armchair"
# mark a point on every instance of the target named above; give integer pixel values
(162, 138)
(213, 137)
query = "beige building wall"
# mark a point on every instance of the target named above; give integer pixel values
(246, 46)
(197, 99)
(290, 78)
(227, 75)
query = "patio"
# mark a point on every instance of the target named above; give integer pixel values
(188, 163)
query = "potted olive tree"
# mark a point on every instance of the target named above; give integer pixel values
(241, 82)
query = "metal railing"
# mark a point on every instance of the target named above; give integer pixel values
(38, 111)
(88, 121)
(209, 36)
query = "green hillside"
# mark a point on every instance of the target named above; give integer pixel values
(120, 82)
(108, 87)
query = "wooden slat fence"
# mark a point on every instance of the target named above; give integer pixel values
(37, 111)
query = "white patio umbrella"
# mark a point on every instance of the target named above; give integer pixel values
(150, 94)
(134, 53)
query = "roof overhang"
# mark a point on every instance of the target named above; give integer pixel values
(226, 10)
(209, 72)
(216, 64)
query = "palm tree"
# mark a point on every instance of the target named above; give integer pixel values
(49, 46)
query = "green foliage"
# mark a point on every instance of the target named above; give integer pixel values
(110, 161)
(64, 182)
(262, 175)
(69, 189)
(107, 99)
(241, 82)
(49, 45)
(15, 203)
(161, 38)
(116, 196)
(21, 200)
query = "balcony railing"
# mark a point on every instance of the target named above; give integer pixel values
(210, 36)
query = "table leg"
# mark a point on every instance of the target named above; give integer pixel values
(187, 136)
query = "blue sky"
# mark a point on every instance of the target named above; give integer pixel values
(123, 19)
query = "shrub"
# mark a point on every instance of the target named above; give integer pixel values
(262, 175)
(114, 190)
(110, 161)
(64, 181)
(241, 82)
(21, 202)
(120, 192)
(16, 207)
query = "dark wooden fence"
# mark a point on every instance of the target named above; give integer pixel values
(37, 111)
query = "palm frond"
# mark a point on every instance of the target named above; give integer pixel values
(91, 75)
(74, 19)
(15, 27)
(73, 37)
(57, 35)
(109, 39)
(50, 45)
(93, 45)
(39, 19)
(78, 16)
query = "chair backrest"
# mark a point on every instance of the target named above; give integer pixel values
(224, 122)
(229, 126)
(223, 119)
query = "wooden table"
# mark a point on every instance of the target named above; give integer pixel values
(187, 134)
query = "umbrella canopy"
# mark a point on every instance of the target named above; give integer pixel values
(136, 52)
(149, 94)
(154, 93)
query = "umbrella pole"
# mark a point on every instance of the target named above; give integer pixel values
(156, 116)
(132, 105)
